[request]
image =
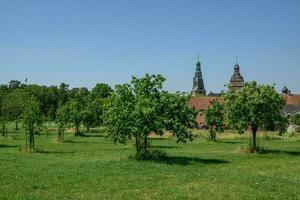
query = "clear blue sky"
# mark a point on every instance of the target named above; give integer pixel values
(85, 42)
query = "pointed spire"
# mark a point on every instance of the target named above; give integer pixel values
(198, 85)
(236, 60)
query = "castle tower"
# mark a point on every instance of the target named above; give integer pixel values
(285, 90)
(237, 80)
(198, 85)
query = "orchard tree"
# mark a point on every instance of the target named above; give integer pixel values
(32, 121)
(13, 105)
(62, 120)
(14, 84)
(295, 119)
(102, 90)
(91, 114)
(138, 109)
(214, 117)
(76, 106)
(3, 114)
(63, 93)
(253, 106)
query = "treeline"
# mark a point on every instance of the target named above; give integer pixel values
(54, 103)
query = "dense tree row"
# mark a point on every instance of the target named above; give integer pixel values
(34, 104)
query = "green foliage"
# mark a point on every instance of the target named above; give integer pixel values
(3, 114)
(75, 107)
(62, 120)
(253, 106)
(101, 91)
(214, 117)
(142, 107)
(281, 124)
(32, 121)
(296, 119)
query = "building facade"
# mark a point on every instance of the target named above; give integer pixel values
(201, 102)
(237, 80)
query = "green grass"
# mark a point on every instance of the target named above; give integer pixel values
(95, 168)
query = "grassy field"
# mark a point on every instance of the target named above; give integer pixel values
(92, 167)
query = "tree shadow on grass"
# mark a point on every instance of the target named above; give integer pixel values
(179, 160)
(7, 146)
(54, 152)
(157, 138)
(164, 146)
(91, 135)
(74, 142)
(231, 142)
(272, 151)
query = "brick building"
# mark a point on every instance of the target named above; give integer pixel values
(201, 102)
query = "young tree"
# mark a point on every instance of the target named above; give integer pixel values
(62, 120)
(32, 121)
(296, 119)
(76, 106)
(142, 108)
(214, 117)
(63, 93)
(253, 106)
(3, 115)
(13, 105)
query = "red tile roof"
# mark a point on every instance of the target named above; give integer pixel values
(292, 99)
(202, 103)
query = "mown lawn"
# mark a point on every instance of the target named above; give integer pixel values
(94, 168)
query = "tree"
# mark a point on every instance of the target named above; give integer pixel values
(14, 84)
(13, 105)
(3, 114)
(296, 119)
(76, 106)
(102, 90)
(214, 117)
(253, 106)
(62, 120)
(138, 109)
(32, 121)
(91, 114)
(63, 93)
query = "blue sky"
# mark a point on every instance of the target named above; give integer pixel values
(85, 42)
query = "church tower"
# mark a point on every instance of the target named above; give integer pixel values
(237, 80)
(198, 85)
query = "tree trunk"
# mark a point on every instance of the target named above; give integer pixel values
(63, 135)
(59, 134)
(77, 128)
(26, 141)
(254, 130)
(17, 125)
(146, 142)
(3, 130)
(88, 128)
(31, 141)
(212, 133)
(137, 143)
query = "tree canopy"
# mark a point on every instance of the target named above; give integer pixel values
(141, 108)
(214, 117)
(253, 106)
